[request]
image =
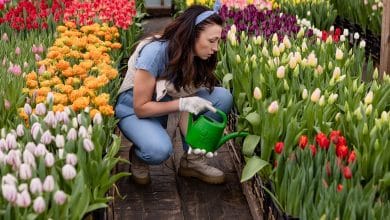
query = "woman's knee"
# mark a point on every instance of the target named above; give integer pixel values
(224, 99)
(154, 153)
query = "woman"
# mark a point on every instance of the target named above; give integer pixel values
(172, 74)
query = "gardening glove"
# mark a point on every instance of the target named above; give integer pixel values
(203, 152)
(195, 105)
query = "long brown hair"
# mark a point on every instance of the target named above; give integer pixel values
(184, 68)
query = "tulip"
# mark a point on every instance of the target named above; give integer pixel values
(71, 159)
(351, 157)
(346, 32)
(304, 46)
(3, 145)
(315, 97)
(238, 59)
(356, 36)
(4, 37)
(29, 158)
(362, 44)
(64, 128)
(322, 141)
(88, 145)
(27, 109)
(60, 141)
(48, 184)
(281, 48)
(347, 173)
(275, 51)
(286, 42)
(273, 107)
(336, 73)
(313, 149)
(280, 72)
(20, 130)
(9, 192)
(15, 69)
(40, 150)
(30, 146)
(264, 51)
(25, 171)
(342, 38)
(50, 119)
(384, 117)
(304, 94)
(321, 102)
(369, 97)
(13, 158)
(275, 38)
(46, 137)
(339, 54)
(50, 97)
(293, 62)
(341, 151)
(36, 186)
(23, 199)
(72, 135)
(83, 133)
(59, 197)
(49, 160)
(38, 58)
(97, 119)
(312, 60)
(68, 172)
(40, 109)
(303, 140)
(41, 69)
(339, 187)
(9, 179)
(39, 205)
(279, 147)
(332, 98)
(17, 51)
(10, 140)
(75, 123)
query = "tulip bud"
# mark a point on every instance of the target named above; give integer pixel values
(39, 205)
(248, 49)
(257, 93)
(316, 95)
(365, 129)
(264, 51)
(64, 128)
(349, 117)
(369, 109)
(29, 158)
(49, 160)
(330, 65)
(40, 150)
(46, 137)
(281, 48)
(72, 135)
(304, 94)
(312, 60)
(97, 119)
(40, 109)
(384, 117)
(375, 75)
(321, 102)
(71, 159)
(285, 85)
(362, 44)
(74, 123)
(275, 38)
(275, 51)
(50, 119)
(27, 109)
(304, 46)
(338, 116)
(10, 140)
(88, 145)
(23, 199)
(273, 107)
(36, 186)
(301, 33)
(332, 98)
(369, 97)
(339, 54)
(48, 184)
(358, 114)
(336, 72)
(83, 133)
(280, 72)
(286, 42)
(25, 172)
(9, 192)
(50, 97)
(59, 197)
(246, 68)
(68, 172)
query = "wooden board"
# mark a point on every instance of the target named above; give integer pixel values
(385, 39)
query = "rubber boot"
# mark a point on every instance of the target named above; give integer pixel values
(139, 169)
(192, 165)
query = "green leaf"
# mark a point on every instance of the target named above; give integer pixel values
(253, 118)
(96, 206)
(385, 180)
(250, 144)
(226, 79)
(254, 165)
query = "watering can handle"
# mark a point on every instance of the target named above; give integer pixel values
(211, 108)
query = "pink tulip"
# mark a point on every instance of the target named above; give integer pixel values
(71, 159)
(97, 119)
(59, 197)
(48, 184)
(34, 49)
(41, 69)
(3, 145)
(40, 109)
(68, 172)
(40, 150)
(25, 64)
(5, 37)
(50, 119)
(60, 141)
(9, 192)
(36, 186)
(15, 69)
(39, 205)
(88, 145)
(20, 130)
(27, 109)
(17, 51)
(9, 179)
(29, 158)
(35, 130)
(83, 133)
(49, 160)
(22, 187)
(72, 134)
(13, 159)
(25, 171)
(30, 146)
(11, 141)
(23, 199)
(7, 104)
(38, 58)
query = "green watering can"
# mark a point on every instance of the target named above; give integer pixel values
(207, 134)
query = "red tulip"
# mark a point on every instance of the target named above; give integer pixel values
(339, 187)
(334, 136)
(352, 157)
(303, 141)
(342, 151)
(347, 173)
(279, 147)
(313, 149)
(324, 35)
(337, 31)
(341, 141)
(322, 141)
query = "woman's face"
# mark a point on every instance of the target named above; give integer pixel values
(207, 42)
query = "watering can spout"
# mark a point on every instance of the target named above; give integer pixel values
(232, 135)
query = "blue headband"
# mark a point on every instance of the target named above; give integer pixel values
(204, 15)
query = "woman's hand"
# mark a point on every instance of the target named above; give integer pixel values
(195, 105)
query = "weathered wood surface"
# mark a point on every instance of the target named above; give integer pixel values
(170, 196)
(385, 39)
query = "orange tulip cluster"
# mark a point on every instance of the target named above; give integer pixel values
(76, 68)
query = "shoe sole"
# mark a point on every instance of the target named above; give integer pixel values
(185, 172)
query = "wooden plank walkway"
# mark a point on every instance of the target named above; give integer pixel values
(170, 196)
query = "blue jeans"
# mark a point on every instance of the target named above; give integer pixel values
(152, 142)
